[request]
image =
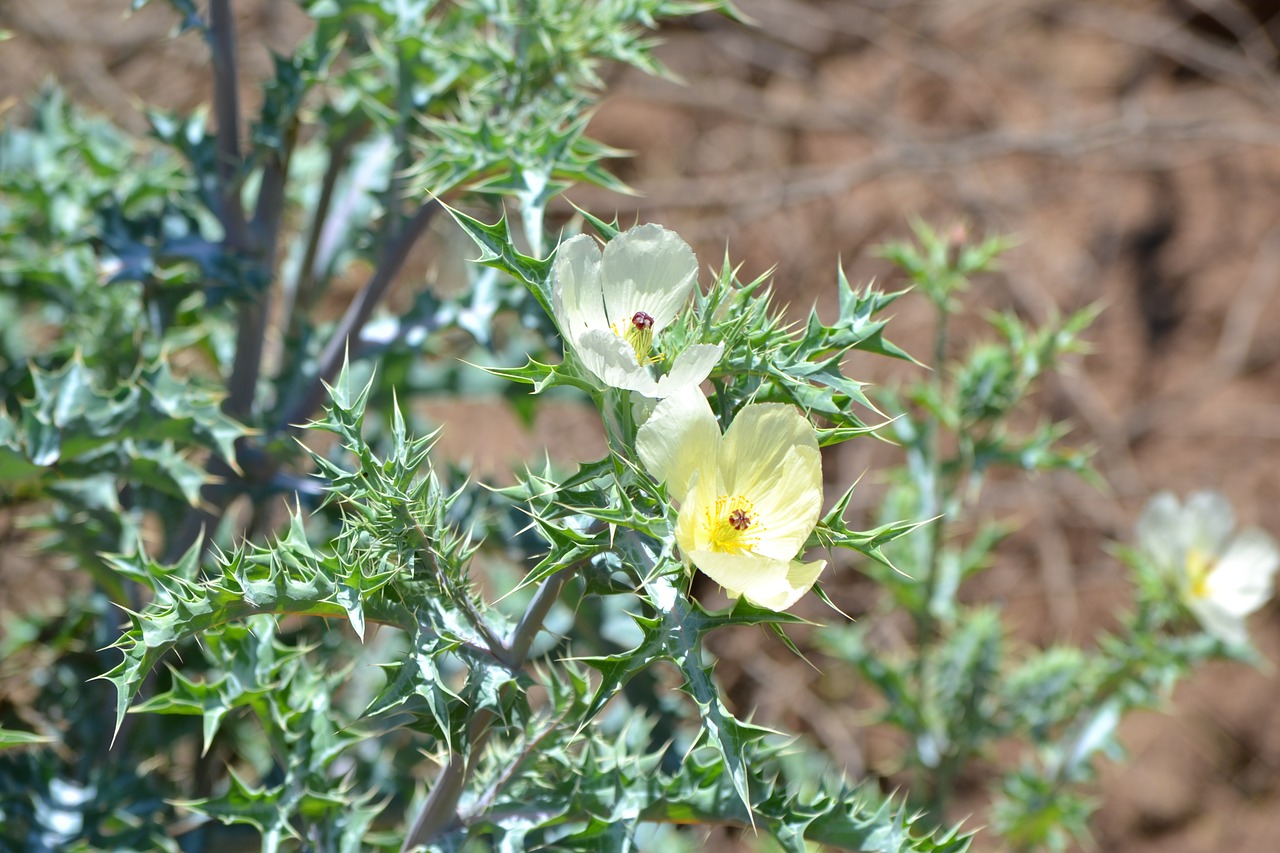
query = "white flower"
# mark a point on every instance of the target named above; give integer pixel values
(611, 308)
(748, 499)
(1221, 578)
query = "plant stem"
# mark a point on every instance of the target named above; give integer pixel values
(928, 473)
(226, 109)
(302, 293)
(936, 499)
(258, 466)
(440, 810)
(251, 314)
(517, 649)
(358, 313)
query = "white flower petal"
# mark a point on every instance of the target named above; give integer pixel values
(1159, 532)
(1207, 522)
(576, 297)
(642, 408)
(649, 269)
(613, 361)
(690, 368)
(680, 436)
(1243, 579)
(1218, 621)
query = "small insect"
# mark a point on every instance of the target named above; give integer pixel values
(739, 520)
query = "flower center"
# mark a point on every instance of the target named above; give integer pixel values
(731, 526)
(637, 330)
(1199, 566)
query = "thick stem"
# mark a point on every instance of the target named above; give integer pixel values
(517, 650)
(226, 110)
(339, 156)
(257, 466)
(440, 809)
(335, 352)
(251, 316)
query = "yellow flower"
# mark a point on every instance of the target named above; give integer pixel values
(612, 307)
(748, 499)
(1221, 578)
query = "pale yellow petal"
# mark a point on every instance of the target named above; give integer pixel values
(768, 583)
(770, 456)
(649, 269)
(757, 443)
(679, 436)
(577, 299)
(692, 532)
(789, 502)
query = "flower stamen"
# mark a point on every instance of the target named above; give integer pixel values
(731, 525)
(637, 330)
(1199, 567)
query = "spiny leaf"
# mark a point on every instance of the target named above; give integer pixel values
(498, 250)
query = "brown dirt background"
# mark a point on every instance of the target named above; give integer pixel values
(1134, 149)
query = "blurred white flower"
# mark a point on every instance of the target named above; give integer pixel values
(1222, 578)
(612, 307)
(748, 499)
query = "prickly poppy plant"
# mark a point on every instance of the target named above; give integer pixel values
(290, 626)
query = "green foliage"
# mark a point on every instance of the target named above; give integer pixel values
(328, 640)
(962, 686)
(399, 561)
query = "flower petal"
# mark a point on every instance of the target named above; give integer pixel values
(1207, 522)
(680, 436)
(1243, 578)
(768, 583)
(1159, 532)
(696, 508)
(642, 408)
(1218, 621)
(690, 368)
(650, 269)
(789, 504)
(758, 443)
(577, 299)
(613, 361)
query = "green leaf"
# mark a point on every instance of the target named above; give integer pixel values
(14, 739)
(498, 250)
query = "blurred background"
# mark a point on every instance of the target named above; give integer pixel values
(1132, 147)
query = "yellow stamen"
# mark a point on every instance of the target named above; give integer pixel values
(1199, 567)
(732, 525)
(637, 330)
